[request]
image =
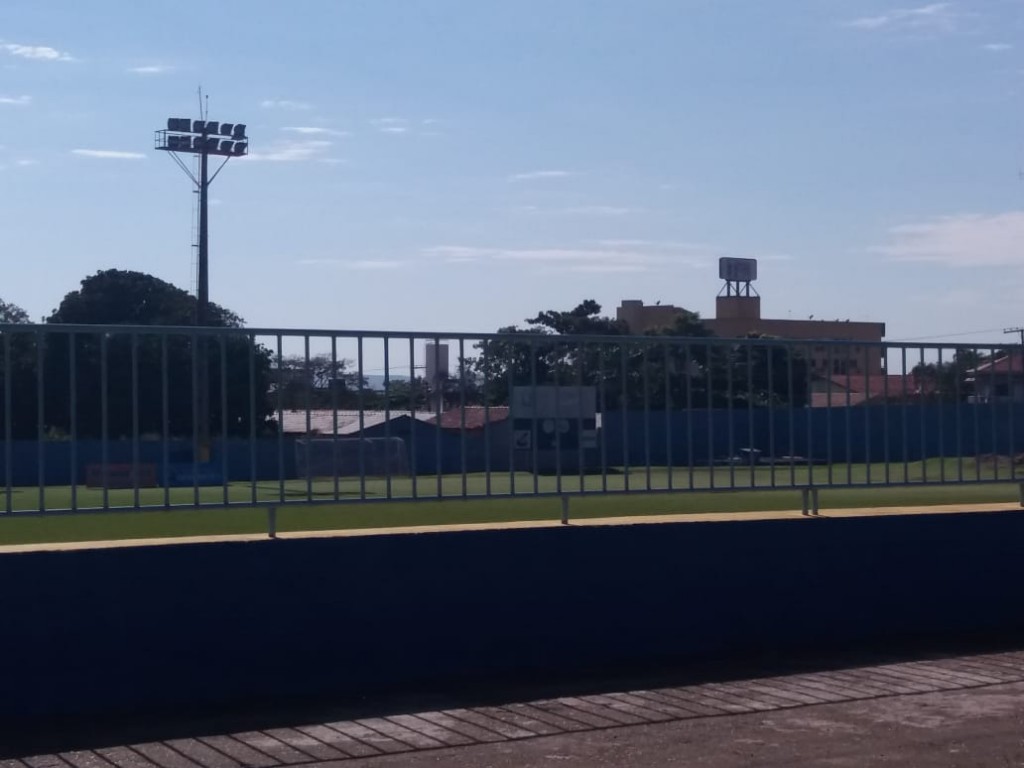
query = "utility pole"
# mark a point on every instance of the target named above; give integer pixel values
(1018, 331)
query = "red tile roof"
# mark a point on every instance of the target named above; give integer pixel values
(475, 417)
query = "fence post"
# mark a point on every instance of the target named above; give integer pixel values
(272, 522)
(805, 496)
(565, 510)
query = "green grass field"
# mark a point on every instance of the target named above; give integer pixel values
(464, 499)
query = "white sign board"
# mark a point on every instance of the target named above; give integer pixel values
(547, 402)
(737, 270)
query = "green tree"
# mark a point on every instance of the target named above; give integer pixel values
(675, 367)
(319, 382)
(18, 366)
(135, 367)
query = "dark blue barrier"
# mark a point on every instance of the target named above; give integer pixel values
(860, 434)
(162, 628)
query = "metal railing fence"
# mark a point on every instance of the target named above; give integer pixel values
(142, 417)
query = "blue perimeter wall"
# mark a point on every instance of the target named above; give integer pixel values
(135, 629)
(860, 434)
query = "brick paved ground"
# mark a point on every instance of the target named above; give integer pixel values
(573, 727)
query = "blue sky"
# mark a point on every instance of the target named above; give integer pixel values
(458, 165)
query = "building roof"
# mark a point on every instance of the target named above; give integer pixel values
(321, 422)
(475, 416)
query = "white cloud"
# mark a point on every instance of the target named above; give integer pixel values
(25, 162)
(392, 125)
(358, 264)
(293, 151)
(961, 240)
(292, 106)
(151, 69)
(108, 154)
(537, 175)
(313, 130)
(17, 101)
(607, 258)
(36, 52)
(373, 264)
(934, 17)
(576, 210)
(998, 47)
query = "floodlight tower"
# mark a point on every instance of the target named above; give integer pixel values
(203, 138)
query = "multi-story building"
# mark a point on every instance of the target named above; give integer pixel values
(738, 314)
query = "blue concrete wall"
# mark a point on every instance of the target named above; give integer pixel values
(137, 629)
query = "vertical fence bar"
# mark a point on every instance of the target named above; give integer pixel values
(603, 405)
(307, 396)
(645, 362)
(336, 382)
(921, 400)
(41, 418)
(462, 415)
(976, 413)
(848, 416)
(830, 372)
(669, 462)
(809, 414)
(165, 420)
(485, 387)
(438, 412)
(414, 448)
(514, 415)
(73, 415)
(360, 372)
(224, 417)
(8, 418)
(580, 458)
(958, 399)
(993, 387)
(556, 385)
(868, 405)
(196, 437)
(281, 383)
(253, 495)
(689, 374)
(751, 455)
(624, 389)
(387, 413)
(906, 436)
(1010, 397)
(887, 405)
(940, 397)
(791, 410)
(770, 365)
(709, 402)
(731, 411)
(533, 422)
(135, 419)
(104, 421)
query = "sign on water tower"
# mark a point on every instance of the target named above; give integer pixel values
(737, 270)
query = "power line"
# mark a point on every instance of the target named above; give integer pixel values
(951, 335)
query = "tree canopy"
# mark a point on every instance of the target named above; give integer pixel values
(120, 297)
(673, 367)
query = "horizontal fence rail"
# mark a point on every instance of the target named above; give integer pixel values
(141, 417)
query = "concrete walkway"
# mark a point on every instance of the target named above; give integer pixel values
(706, 517)
(959, 711)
